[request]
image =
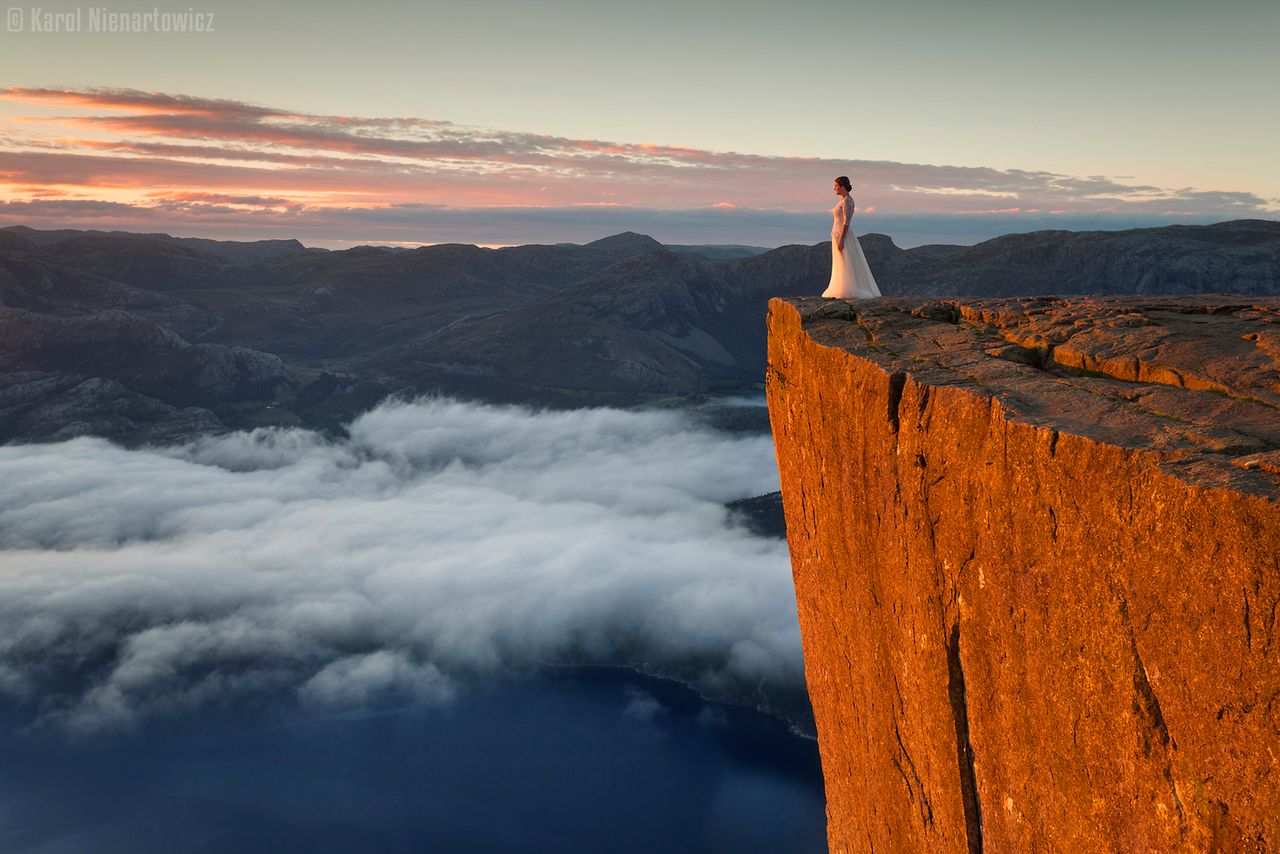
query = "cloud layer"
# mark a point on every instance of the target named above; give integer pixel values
(123, 158)
(443, 540)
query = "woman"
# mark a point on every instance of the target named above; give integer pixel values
(850, 275)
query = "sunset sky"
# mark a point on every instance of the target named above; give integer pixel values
(713, 122)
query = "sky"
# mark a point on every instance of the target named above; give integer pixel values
(712, 122)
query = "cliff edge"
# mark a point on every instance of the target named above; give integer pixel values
(1036, 550)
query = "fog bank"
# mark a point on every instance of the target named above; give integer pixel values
(443, 540)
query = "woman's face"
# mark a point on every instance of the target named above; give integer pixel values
(840, 191)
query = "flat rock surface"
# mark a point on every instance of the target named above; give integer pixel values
(1183, 376)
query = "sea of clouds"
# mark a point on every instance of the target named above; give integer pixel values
(442, 541)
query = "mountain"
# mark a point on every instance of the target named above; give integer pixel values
(1242, 256)
(236, 251)
(655, 324)
(116, 374)
(620, 320)
(84, 353)
(715, 252)
(666, 323)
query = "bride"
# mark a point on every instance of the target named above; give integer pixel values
(850, 275)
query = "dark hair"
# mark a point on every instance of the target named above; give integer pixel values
(843, 181)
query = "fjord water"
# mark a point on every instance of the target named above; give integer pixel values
(592, 760)
(278, 641)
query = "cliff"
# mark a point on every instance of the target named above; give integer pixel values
(1036, 550)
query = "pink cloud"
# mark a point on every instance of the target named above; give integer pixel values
(164, 150)
(223, 198)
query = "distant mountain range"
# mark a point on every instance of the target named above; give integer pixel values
(152, 338)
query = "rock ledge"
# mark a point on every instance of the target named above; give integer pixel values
(1036, 548)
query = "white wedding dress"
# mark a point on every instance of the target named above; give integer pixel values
(850, 276)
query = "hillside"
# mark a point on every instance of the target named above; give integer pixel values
(622, 320)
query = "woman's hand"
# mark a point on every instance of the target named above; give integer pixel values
(840, 244)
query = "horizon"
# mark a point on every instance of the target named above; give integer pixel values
(338, 247)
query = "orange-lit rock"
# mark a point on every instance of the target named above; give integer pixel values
(1036, 548)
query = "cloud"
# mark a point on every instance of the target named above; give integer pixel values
(220, 198)
(359, 680)
(642, 707)
(133, 99)
(140, 144)
(442, 541)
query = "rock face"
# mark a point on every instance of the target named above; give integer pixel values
(1036, 549)
(118, 375)
(38, 406)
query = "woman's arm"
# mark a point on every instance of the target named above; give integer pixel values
(844, 223)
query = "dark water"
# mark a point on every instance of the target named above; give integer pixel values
(582, 760)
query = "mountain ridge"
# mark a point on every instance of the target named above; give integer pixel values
(622, 320)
